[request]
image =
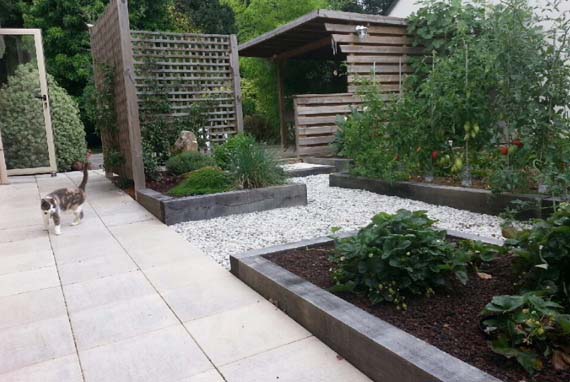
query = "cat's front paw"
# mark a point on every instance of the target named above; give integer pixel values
(57, 230)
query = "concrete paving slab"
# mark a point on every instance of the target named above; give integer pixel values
(64, 369)
(122, 320)
(209, 376)
(25, 308)
(202, 299)
(305, 360)
(20, 282)
(189, 273)
(96, 267)
(106, 290)
(37, 342)
(164, 355)
(10, 263)
(129, 283)
(243, 332)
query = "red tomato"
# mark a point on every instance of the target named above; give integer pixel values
(435, 155)
(504, 150)
(518, 143)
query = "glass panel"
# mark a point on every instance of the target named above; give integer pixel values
(21, 107)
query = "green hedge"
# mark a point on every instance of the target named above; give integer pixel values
(22, 122)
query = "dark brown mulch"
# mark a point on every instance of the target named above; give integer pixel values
(164, 183)
(449, 320)
(455, 182)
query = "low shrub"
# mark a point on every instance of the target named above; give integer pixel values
(249, 163)
(543, 255)
(396, 256)
(207, 180)
(528, 327)
(187, 162)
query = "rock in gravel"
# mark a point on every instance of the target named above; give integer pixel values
(328, 207)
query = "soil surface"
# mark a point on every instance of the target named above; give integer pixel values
(165, 183)
(449, 320)
(455, 182)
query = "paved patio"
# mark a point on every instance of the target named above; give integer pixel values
(122, 297)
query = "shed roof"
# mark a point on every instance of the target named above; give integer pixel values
(307, 36)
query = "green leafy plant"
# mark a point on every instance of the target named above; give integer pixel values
(187, 162)
(527, 327)
(207, 180)
(249, 163)
(23, 126)
(543, 255)
(397, 256)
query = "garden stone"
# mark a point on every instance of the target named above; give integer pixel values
(186, 142)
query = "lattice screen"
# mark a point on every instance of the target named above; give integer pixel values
(190, 68)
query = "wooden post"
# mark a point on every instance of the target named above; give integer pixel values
(135, 140)
(281, 91)
(3, 170)
(234, 63)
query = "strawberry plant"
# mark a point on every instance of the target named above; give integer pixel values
(543, 255)
(526, 328)
(397, 256)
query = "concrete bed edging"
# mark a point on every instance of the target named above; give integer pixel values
(172, 210)
(317, 170)
(378, 349)
(470, 199)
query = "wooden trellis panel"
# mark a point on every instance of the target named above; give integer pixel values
(190, 68)
(111, 48)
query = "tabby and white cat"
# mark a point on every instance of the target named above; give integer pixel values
(65, 199)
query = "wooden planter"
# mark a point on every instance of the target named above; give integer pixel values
(381, 351)
(172, 210)
(470, 199)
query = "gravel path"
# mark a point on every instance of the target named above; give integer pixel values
(328, 207)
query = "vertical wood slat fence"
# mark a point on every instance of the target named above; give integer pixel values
(111, 48)
(188, 68)
(381, 58)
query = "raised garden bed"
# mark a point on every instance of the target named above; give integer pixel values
(386, 344)
(171, 210)
(470, 199)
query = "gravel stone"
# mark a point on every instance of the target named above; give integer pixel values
(328, 207)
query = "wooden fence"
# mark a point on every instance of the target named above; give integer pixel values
(315, 120)
(187, 68)
(382, 58)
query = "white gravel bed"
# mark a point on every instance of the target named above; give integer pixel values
(328, 207)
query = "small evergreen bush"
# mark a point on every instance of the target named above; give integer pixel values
(187, 162)
(249, 163)
(207, 180)
(22, 122)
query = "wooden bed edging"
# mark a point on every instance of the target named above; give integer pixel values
(470, 199)
(172, 210)
(378, 349)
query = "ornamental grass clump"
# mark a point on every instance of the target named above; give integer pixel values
(397, 256)
(249, 163)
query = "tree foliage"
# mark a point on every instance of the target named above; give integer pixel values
(373, 7)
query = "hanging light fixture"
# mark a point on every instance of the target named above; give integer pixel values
(362, 32)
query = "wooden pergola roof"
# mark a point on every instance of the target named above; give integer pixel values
(308, 37)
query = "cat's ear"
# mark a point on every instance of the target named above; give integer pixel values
(45, 205)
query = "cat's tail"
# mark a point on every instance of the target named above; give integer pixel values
(85, 172)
